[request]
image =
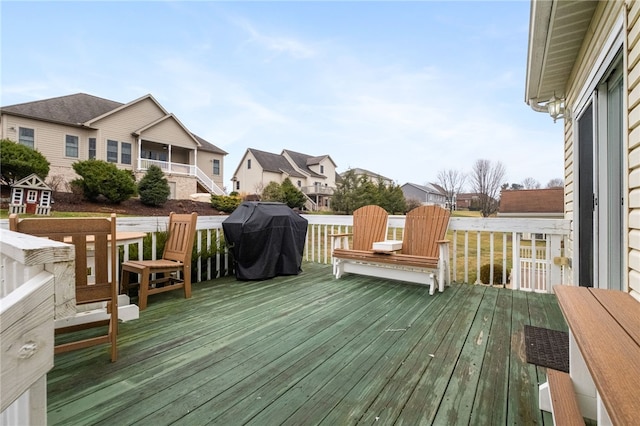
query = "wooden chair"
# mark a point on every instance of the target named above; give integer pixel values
(369, 226)
(95, 276)
(424, 253)
(176, 258)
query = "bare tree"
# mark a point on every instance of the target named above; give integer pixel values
(452, 182)
(555, 183)
(530, 183)
(486, 179)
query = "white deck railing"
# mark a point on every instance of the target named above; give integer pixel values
(182, 169)
(32, 268)
(475, 242)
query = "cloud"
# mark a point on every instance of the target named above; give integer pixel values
(276, 44)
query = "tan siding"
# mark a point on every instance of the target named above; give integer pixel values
(120, 126)
(634, 239)
(634, 179)
(251, 180)
(205, 163)
(131, 118)
(633, 102)
(633, 12)
(50, 139)
(634, 284)
(169, 132)
(634, 138)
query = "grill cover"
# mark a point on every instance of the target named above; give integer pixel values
(265, 239)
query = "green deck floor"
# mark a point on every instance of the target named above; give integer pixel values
(310, 349)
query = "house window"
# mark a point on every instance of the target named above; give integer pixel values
(249, 164)
(216, 167)
(321, 169)
(126, 153)
(45, 198)
(17, 196)
(26, 137)
(112, 151)
(92, 148)
(71, 146)
(299, 184)
(32, 196)
(237, 185)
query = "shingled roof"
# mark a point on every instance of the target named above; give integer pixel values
(274, 163)
(303, 161)
(71, 109)
(208, 146)
(543, 201)
(79, 108)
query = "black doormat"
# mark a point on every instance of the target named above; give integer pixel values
(547, 348)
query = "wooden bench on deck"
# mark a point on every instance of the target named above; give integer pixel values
(424, 252)
(604, 355)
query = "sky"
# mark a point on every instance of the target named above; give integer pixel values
(405, 89)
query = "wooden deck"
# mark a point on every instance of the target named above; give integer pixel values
(310, 349)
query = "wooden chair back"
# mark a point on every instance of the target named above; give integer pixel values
(95, 275)
(369, 226)
(182, 230)
(424, 227)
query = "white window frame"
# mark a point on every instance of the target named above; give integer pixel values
(32, 196)
(122, 153)
(93, 151)
(45, 199)
(110, 144)
(20, 140)
(67, 146)
(18, 195)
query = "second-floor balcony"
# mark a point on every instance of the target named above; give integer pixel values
(317, 190)
(182, 169)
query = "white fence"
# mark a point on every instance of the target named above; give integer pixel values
(496, 242)
(30, 274)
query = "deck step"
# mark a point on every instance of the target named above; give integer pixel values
(563, 399)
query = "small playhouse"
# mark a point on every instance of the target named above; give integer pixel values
(30, 195)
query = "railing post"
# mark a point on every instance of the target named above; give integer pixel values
(515, 253)
(555, 270)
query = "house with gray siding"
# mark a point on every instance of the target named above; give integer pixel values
(427, 194)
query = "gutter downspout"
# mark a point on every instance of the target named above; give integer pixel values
(535, 105)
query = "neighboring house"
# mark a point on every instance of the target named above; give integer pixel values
(427, 194)
(373, 177)
(315, 176)
(133, 136)
(585, 54)
(466, 200)
(532, 203)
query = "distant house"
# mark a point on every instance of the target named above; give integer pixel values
(466, 200)
(133, 136)
(536, 203)
(372, 176)
(315, 176)
(428, 194)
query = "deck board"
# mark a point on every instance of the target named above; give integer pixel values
(310, 349)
